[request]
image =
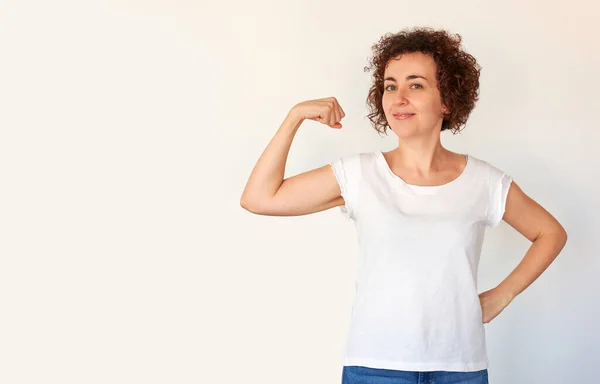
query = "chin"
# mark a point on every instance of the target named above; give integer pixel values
(405, 131)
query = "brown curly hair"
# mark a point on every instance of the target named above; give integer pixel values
(457, 73)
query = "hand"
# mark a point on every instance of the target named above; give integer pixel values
(492, 303)
(326, 111)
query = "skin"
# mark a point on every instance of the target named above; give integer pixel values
(420, 160)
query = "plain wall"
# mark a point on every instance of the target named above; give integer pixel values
(128, 132)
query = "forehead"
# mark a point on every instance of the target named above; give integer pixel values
(414, 62)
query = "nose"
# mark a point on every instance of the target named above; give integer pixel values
(400, 97)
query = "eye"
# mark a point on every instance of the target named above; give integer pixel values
(419, 86)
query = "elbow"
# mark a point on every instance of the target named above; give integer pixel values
(563, 236)
(556, 235)
(245, 204)
(249, 206)
(560, 237)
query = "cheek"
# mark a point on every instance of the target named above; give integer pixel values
(385, 104)
(384, 101)
(431, 104)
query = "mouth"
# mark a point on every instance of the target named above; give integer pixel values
(403, 116)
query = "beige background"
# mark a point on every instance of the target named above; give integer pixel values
(128, 131)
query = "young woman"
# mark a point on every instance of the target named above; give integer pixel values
(420, 211)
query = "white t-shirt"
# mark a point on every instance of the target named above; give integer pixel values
(417, 306)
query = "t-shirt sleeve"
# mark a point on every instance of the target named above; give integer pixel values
(499, 184)
(347, 173)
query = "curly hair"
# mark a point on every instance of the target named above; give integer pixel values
(457, 73)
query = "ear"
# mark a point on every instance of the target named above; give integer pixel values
(445, 110)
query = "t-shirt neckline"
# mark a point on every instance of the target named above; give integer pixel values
(425, 188)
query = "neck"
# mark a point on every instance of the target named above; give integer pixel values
(421, 156)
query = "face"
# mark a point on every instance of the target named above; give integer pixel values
(411, 100)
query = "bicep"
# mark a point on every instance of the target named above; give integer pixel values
(308, 192)
(526, 216)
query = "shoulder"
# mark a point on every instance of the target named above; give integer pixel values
(356, 160)
(485, 169)
(360, 156)
(354, 167)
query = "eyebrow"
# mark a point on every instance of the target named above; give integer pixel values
(409, 77)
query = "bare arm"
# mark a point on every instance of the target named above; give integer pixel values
(267, 193)
(547, 235)
(548, 238)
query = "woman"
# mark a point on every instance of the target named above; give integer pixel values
(420, 211)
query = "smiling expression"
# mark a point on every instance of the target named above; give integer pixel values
(411, 98)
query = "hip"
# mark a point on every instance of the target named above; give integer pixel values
(365, 375)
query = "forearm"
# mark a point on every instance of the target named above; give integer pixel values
(540, 255)
(268, 173)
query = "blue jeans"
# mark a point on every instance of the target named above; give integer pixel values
(363, 375)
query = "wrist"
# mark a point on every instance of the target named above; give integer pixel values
(293, 120)
(294, 115)
(505, 292)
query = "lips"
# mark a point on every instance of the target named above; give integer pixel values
(403, 116)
